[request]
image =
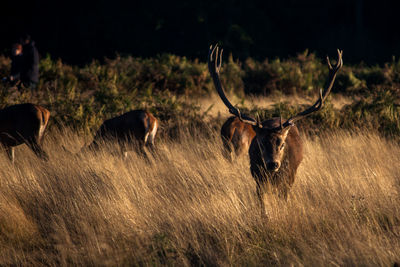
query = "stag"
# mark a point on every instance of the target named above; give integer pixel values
(276, 149)
(135, 129)
(23, 123)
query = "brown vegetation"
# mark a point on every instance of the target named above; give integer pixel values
(191, 206)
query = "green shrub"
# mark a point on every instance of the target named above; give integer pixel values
(83, 97)
(347, 83)
(299, 75)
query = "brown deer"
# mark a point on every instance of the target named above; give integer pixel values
(236, 136)
(23, 123)
(134, 129)
(276, 150)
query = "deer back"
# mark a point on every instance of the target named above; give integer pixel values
(135, 123)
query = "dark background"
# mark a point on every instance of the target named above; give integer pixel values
(79, 31)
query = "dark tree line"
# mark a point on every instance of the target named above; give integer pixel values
(78, 31)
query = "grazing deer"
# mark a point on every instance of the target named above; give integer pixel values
(276, 150)
(23, 123)
(236, 136)
(134, 129)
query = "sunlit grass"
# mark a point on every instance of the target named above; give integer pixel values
(191, 206)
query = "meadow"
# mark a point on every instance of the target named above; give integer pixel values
(187, 204)
(192, 206)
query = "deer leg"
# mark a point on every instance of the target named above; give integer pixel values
(10, 153)
(38, 150)
(262, 189)
(139, 146)
(227, 150)
(150, 137)
(150, 149)
(148, 144)
(237, 145)
(142, 151)
(285, 186)
(237, 149)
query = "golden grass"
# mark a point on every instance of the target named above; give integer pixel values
(191, 206)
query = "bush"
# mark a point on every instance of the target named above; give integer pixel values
(298, 75)
(83, 97)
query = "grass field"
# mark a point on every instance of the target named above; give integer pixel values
(191, 206)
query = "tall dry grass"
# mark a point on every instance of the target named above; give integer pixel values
(191, 206)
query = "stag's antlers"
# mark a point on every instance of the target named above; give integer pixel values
(214, 66)
(322, 95)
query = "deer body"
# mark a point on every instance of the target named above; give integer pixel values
(23, 123)
(134, 129)
(276, 150)
(236, 135)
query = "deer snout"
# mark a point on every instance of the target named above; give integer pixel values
(273, 166)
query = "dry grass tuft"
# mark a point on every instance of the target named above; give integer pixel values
(190, 206)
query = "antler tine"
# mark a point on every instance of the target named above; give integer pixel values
(217, 69)
(321, 99)
(329, 63)
(220, 60)
(214, 67)
(322, 94)
(211, 54)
